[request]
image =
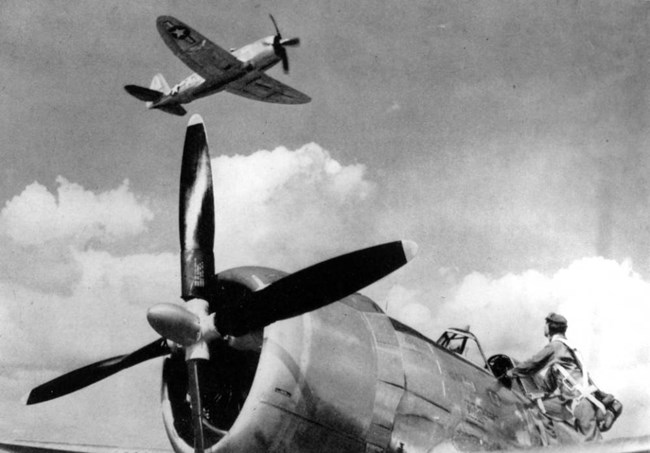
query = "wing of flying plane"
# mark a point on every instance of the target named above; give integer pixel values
(195, 50)
(267, 89)
(211, 61)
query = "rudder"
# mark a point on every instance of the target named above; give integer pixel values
(159, 83)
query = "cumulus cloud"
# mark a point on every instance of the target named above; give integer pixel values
(43, 335)
(65, 302)
(287, 207)
(37, 216)
(104, 315)
(607, 305)
(402, 304)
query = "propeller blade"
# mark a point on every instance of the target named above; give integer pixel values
(196, 214)
(313, 287)
(285, 61)
(83, 377)
(277, 30)
(196, 220)
(293, 42)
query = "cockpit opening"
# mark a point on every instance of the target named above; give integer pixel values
(465, 344)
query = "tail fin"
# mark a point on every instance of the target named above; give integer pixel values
(155, 93)
(159, 83)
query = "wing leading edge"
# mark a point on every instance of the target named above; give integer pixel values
(19, 446)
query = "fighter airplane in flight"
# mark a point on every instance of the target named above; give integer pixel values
(258, 360)
(240, 71)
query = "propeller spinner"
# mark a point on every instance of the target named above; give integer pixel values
(209, 315)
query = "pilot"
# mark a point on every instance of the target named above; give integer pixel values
(569, 391)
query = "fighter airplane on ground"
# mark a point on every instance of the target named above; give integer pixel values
(258, 360)
(239, 71)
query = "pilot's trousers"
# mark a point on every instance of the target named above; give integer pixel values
(586, 423)
(583, 415)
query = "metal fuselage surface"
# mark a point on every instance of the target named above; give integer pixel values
(255, 57)
(348, 378)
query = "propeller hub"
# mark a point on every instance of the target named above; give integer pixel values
(188, 326)
(199, 308)
(175, 323)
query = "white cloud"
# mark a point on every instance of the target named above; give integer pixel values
(288, 207)
(37, 216)
(415, 315)
(63, 307)
(401, 303)
(104, 315)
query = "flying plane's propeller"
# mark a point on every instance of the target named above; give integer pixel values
(279, 45)
(206, 317)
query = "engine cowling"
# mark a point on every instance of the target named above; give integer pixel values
(225, 379)
(308, 381)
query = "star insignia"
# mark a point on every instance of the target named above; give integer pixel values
(178, 32)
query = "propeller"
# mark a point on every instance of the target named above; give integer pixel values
(206, 316)
(196, 228)
(279, 45)
(83, 377)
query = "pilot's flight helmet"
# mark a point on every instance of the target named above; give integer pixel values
(559, 320)
(555, 324)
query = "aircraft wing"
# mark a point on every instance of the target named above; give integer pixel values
(622, 445)
(195, 50)
(261, 87)
(19, 446)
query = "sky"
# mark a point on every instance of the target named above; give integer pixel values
(508, 139)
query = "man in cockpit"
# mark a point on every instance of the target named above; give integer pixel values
(569, 391)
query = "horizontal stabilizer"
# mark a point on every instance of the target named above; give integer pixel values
(142, 93)
(174, 109)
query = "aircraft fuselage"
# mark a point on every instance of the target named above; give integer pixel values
(349, 378)
(256, 57)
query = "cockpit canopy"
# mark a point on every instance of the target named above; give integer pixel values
(464, 343)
